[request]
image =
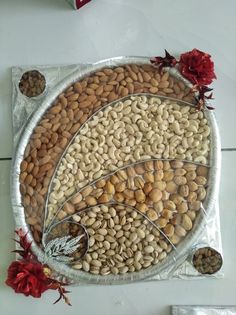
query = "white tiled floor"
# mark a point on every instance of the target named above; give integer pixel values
(35, 32)
(49, 32)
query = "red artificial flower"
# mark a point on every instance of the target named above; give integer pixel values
(161, 62)
(202, 97)
(197, 67)
(62, 292)
(25, 252)
(27, 278)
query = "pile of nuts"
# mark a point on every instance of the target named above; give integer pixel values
(70, 110)
(120, 241)
(133, 168)
(136, 129)
(168, 193)
(207, 260)
(32, 83)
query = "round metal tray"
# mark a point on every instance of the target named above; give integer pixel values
(175, 257)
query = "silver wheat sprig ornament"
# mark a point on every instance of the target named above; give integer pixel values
(60, 248)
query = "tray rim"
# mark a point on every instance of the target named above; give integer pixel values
(18, 209)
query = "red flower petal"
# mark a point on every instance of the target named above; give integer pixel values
(197, 67)
(27, 278)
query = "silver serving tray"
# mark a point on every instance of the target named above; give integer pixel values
(163, 269)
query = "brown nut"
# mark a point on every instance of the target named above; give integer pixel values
(131, 172)
(147, 188)
(139, 169)
(190, 176)
(169, 230)
(166, 165)
(140, 196)
(167, 214)
(186, 222)
(158, 175)
(201, 180)
(176, 164)
(119, 197)
(114, 179)
(169, 204)
(168, 175)
(69, 208)
(109, 187)
(180, 180)
(180, 172)
(142, 207)
(177, 199)
(202, 171)
(86, 191)
(189, 167)
(100, 183)
(182, 207)
(180, 231)
(104, 198)
(192, 196)
(155, 195)
(148, 177)
(192, 186)
(129, 194)
(91, 201)
(152, 215)
(122, 175)
(78, 197)
(120, 187)
(201, 193)
(195, 205)
(149, 166)
(158, 206)
(184, 190)
(138, 181)
(158, 165)
(175, 239)
(161, 222)
(171, 187)
(161, 185)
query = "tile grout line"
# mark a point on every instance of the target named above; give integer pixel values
(228, 149)
(223, 150)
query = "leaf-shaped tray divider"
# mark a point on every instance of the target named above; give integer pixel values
(73, 140)
(169, 192)
(153, 145)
